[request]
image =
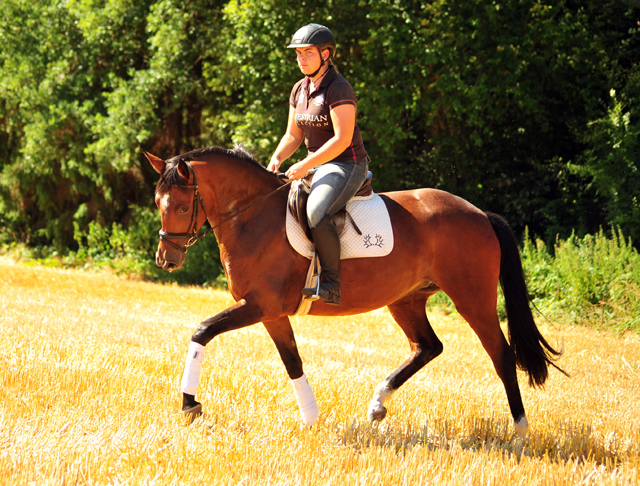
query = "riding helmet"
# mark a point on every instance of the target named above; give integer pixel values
(314, 35)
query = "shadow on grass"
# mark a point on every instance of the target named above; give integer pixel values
(563, 442)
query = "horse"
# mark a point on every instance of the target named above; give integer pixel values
(442, 243)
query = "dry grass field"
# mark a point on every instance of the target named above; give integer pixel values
(89, 387)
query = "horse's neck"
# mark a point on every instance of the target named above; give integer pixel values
(236, 186)
(245, 187)
(250, 236)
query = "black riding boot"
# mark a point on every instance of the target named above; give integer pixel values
(327, 241)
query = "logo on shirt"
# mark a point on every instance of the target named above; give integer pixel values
(312, 120)
(319, 100)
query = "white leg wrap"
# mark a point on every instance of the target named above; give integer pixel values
(380, 396)
(306, 400)
(192, 368)
(521, 426)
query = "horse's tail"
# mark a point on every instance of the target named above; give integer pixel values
(533, 353)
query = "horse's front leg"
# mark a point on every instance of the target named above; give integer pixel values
(239, 315)
(282, 334)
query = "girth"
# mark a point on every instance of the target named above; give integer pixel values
(297, 203)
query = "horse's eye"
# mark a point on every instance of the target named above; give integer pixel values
(183, 209)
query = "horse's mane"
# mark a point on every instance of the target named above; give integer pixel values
(171, 178)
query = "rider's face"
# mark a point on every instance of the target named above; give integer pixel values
(309, 59)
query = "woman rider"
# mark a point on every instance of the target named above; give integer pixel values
(323, 113)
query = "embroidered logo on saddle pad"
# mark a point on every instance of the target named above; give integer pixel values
(369, 214)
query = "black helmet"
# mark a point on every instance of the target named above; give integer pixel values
(314, 35)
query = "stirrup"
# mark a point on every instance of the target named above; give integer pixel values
(315, 296)
(329, 295)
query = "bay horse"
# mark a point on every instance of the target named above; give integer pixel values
(442, 243)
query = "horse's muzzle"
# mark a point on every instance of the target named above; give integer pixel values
(167, 262)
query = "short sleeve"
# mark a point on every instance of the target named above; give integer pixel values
(340, 92)
(295, 93)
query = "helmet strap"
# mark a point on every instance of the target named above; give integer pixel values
(322, 63)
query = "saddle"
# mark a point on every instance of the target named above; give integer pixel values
(297, 204)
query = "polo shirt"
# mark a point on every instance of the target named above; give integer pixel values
(312, 112)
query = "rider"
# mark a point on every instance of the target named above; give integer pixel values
(323, 112)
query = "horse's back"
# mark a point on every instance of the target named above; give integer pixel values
(448, 240)
(441, 242)
(437, 217)
(431, 203)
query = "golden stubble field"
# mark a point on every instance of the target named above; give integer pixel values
(89, 387)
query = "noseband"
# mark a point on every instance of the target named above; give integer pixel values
(192, 233)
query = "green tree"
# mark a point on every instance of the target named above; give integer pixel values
(506, 103)
(612, 140)
(487, 100)
(84, 85)
(52, 85)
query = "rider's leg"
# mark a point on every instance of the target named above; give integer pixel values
(334, 183)
(327, 241)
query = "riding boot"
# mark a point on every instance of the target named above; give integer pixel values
(327, 241)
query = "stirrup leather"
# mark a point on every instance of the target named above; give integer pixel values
(316, 275)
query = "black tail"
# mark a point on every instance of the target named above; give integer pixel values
(533, 353)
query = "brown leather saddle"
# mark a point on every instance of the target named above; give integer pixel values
(297, 204)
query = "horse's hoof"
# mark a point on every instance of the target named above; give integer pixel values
(192, 412)
(377, 414)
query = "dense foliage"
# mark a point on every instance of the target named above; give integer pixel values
(593, 279)
(527, 108)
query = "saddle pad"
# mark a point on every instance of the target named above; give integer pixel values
(371, 216)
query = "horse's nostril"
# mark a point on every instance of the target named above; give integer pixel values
(170, 267)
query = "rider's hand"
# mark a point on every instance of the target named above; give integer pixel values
(274, 164)
(298, 170)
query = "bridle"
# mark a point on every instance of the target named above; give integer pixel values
(193, 232)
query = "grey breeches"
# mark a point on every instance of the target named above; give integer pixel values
(333, 184)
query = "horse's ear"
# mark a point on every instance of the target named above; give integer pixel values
(157, 163)
(183, 170)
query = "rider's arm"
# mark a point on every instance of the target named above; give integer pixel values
(343, 118)
(289, 143)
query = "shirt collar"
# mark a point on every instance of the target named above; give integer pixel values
(331, 73)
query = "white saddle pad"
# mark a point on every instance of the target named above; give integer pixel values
(371, 216)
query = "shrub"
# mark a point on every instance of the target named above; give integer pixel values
(595, 278)
(131, 251)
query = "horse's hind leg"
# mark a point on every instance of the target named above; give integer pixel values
(410, 314)
(483, 319)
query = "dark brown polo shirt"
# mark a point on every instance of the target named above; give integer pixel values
(312, 112)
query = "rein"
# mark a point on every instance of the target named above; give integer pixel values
(193, 233)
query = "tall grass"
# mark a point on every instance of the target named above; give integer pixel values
(594, 280)
(90, 368)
